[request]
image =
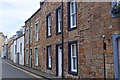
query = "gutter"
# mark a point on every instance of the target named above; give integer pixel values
(62, 42)
(29, 43)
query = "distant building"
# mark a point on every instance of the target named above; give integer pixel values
(18, 47)
(5, 49)
(2, 39)
(10, 47)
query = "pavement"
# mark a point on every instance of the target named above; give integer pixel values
(30, 70)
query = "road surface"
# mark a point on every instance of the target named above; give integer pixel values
(11, 71)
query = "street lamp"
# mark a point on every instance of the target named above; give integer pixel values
(104, 48)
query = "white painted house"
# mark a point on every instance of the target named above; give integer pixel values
(18, 45)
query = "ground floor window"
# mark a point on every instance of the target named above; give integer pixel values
(72, 57)
(26, 56)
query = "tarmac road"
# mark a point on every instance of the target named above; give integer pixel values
(11, 71)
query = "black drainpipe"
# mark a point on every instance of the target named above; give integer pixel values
(29, 43)
(16, 49)
(62, 42)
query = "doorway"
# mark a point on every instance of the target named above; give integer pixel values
(31, 58)
(18, 58)
(59, 61)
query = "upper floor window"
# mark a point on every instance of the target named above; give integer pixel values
(72, 15)
(27, 36)
(48, 25)
(36, 31)
(58, 20)
(31, 34)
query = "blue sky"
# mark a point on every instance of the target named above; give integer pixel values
(14, 13)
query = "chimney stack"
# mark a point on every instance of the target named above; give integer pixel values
(41, 2)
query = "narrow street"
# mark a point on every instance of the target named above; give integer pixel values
(10, 71)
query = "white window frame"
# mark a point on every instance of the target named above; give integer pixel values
(75, 57)
(72, 14)
(49, 57)
(27, 56)
(36, 31)
(27, 36)
(59, 20)
(36, 56)
(31, 30)
(49, 25)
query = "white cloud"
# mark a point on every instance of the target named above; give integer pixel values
(14, 13)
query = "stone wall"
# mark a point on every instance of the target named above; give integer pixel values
(93, 20)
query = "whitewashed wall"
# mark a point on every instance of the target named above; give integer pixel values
(14, 54)
(21, 55)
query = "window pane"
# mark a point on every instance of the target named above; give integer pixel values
(72, 6)
(49, 26)
(36, 32)
(26, 56)
(49, 21)
(59, 26)
(49, 31)
(59, 15)
(31, 34)
(49, 51)
(27, 36)
(49, 56)
(36, 56)
(74, 63)
(49, 62)
(73, 50)
(74, 20)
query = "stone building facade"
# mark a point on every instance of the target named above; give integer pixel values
(82, 44)
(10, 43)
